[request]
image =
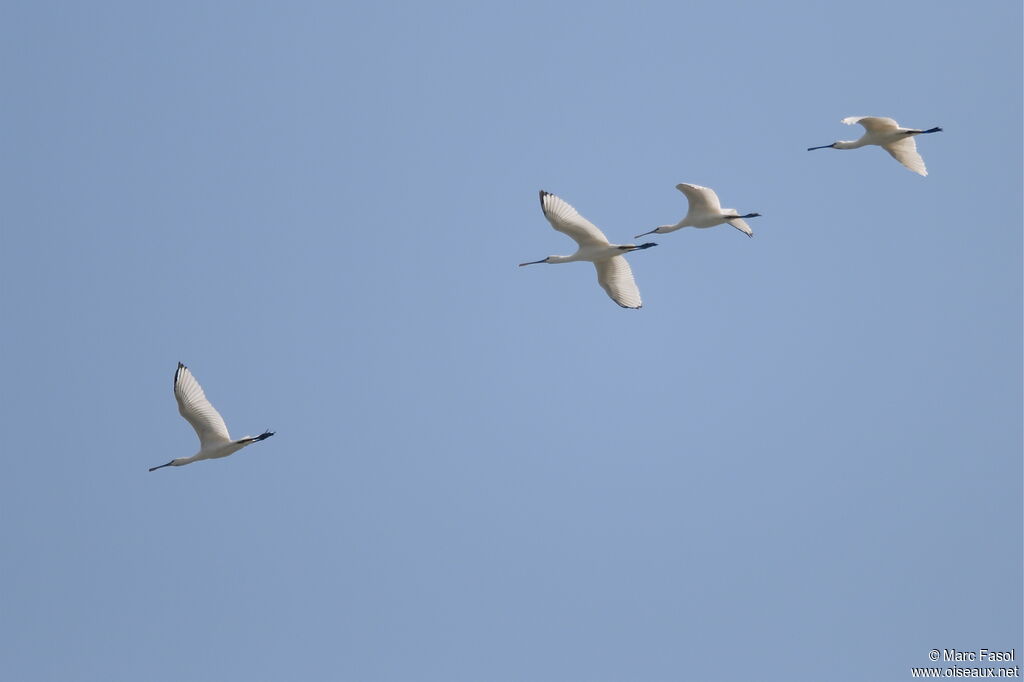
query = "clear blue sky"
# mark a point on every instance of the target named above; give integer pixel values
(801, 460)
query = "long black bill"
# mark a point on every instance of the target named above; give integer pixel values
(824, 146)
(162, 466)
(645, 233)
(534, 262)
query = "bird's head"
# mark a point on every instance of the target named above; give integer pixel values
(660, 229)
(173, 463)
(534, 262)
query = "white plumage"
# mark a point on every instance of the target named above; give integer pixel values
(214, 440)
(887, 134)
(705, 211)
(613, 271)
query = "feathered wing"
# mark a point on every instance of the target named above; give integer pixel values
(567, 220)
(616, 277)
(702, 199)
(872, 124)
(741, 225)
(905, 151)
(197, 410)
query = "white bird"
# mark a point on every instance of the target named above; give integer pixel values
(887, 134)
(705, 211)
(214, 440)
(613, 272)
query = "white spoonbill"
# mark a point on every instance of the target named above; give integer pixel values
(214, 440)
(887, 134)
(613, 272)
(705, 211)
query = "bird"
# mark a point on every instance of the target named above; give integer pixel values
(705, 211)
(887, 134)
(214, 441)
(613, 272)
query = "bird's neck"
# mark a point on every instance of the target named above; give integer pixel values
(848, 144)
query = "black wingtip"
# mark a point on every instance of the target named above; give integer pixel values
(542, 195)
(265, 435)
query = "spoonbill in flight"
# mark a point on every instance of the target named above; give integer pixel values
(214, 440)
(613, 272)
(705, 211)
(887, 134)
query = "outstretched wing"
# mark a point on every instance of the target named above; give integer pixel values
(616, 277)
(905, 151)
(741, 225)
(566, 220)
(702, 199)
(197, 410)
(873, 124)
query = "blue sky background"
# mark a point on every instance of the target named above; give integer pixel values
(800, 461)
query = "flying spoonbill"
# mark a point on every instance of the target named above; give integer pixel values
(214, 440)
(706, 211)
(887, 134)
(613, 272)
